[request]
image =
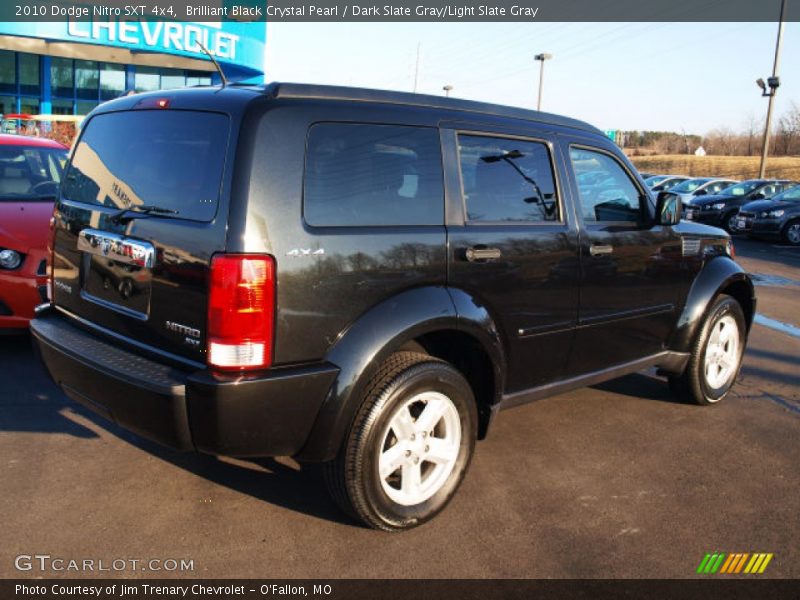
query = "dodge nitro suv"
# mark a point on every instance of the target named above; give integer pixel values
(365, 279)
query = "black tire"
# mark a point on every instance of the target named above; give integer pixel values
(353, 478)
(694, 384)
(788, 230)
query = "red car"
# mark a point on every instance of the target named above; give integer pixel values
(30, 172)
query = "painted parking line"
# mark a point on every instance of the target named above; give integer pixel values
(773, 280)
(787, 328)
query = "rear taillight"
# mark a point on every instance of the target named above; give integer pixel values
(241, 311)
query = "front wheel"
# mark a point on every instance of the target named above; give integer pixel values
(791, 233)
(729, 221)
(716, 355)
(410, 444)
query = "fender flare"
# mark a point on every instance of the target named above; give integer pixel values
(360, 349)
(716, 276)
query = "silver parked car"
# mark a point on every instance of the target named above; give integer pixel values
(662, 183)
(700, 186)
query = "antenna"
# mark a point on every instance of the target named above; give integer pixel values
(216, 64)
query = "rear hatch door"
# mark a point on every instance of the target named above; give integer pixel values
(142, 210)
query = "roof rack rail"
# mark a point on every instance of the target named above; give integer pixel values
(328, 92)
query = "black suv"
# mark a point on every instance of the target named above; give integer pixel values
(365, 279)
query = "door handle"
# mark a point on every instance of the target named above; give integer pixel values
(600, 250)
(475, 254)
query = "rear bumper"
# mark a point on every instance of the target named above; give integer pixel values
(269, 415)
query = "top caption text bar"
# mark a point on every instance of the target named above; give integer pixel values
(398, 10)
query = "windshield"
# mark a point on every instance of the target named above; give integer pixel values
(690, 185)
(655, 179)
(670, 184)
(30, 173)
(168, 160)
(790, 195)
(741, 189)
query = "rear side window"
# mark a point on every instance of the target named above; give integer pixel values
(507, 180)
(169, 159)
(373, 175)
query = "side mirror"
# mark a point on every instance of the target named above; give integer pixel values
(700, 193)
(758, 196)
(668, 209)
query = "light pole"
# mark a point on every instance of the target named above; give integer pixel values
(447, 89)
(773, 83)
(542, 57)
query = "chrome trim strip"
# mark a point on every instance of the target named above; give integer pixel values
(117, 248)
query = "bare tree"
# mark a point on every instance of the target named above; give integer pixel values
(753, 131)
(787, 135)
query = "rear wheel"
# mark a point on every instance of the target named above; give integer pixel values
(410, 444)
(716, 356)
(791, 233)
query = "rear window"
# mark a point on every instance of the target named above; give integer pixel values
(165, 158)
(362, 175)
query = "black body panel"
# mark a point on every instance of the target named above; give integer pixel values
(538, 315)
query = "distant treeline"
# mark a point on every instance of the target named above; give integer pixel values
(723, 141)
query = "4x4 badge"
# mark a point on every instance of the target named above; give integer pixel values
(305, 252)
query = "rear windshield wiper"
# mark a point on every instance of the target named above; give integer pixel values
(132, 212)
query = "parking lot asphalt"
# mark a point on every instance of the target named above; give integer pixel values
(618, 480)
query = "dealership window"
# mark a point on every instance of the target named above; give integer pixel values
(147, 79)
(29, 105)
(62, 79)
(84, 107)
(62, 107)
(8, 72)
(112, 81)
(8, 104)
(172, 78)
(197, 78)
(87, 79)
(29, 74)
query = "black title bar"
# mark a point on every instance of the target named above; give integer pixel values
(399, 11)
(744, 588)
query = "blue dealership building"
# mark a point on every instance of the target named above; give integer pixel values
(68, 68)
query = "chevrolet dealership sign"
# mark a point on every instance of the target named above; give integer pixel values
(237, 45)
(159, 36)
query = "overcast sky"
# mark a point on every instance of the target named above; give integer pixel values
(647, 76)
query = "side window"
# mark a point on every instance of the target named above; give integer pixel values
(507, 180)
(373, 175)
(768, 190)
(606, 191)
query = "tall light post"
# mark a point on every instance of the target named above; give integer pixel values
(543, 57)
(773, 83)
(447, 89)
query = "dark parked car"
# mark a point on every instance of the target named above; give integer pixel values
(777, 218)
(721, 209)
(385, 272)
